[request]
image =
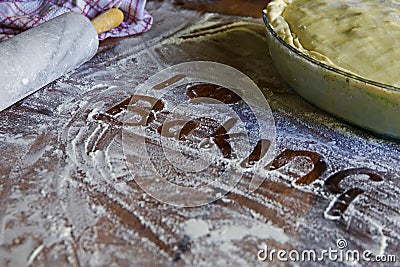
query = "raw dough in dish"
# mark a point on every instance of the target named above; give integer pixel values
(358, 36)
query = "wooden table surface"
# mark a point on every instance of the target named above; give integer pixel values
(68, 189)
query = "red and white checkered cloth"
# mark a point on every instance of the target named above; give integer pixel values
(17, 16)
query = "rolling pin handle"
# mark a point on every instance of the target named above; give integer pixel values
(108, 20)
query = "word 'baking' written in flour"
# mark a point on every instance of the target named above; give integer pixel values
(206, 129)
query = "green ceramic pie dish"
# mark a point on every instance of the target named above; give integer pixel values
(368, 104)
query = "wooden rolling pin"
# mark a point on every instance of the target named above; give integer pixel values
(40, 55)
